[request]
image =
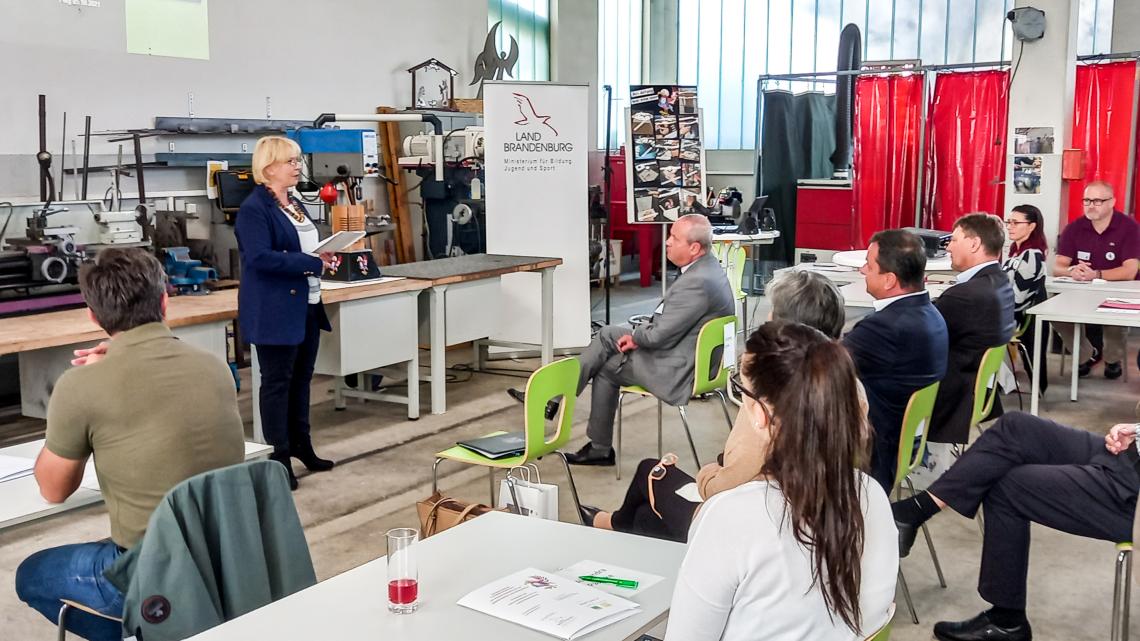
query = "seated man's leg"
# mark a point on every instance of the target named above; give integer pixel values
(73, 572)
(604, 400)
(1078, 499)
(599, 351)
(1016, 439)
(1114, 343)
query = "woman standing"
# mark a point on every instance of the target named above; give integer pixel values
(1026, 270)
(808, 550)
(279, 303)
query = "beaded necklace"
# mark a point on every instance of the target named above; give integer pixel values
(291, 208)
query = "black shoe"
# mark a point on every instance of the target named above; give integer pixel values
(1113, 371)
(907, 534)
(1087, 366)
(588, 512)
(980, 628)
(520, 396)
(590, 456)
(315, 463)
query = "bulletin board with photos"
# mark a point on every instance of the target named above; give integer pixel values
(666, 177)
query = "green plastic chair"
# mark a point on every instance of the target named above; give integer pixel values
(558, 379)
(916, 422)
(710, 377)
(884, 633)
(986, 386)
(1122, 593)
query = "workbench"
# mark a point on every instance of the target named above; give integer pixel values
(45, 343)
(464, 304)
(373, 326)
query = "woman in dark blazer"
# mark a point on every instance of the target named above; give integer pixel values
(279, 303)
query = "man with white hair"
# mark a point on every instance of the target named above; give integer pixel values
(659, 354)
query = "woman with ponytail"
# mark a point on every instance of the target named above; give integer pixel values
(808, 550)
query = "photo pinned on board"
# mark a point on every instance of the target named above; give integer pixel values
(691, 202)
(670, 173)
(665, 126)
(643, 99)
(1027, 174)
(691, 175)
(645, 204)
(644, 148)
(666, 149)
(691, 150)
(669, 204)
(686, 100)
(689, 128)
(642, 122)
(646, 174)
(666, 99)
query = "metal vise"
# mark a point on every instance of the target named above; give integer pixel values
(186, 274)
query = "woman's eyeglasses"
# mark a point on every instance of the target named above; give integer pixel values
(293, 162)
(1011, 223)
(658, 471)
(739, 388)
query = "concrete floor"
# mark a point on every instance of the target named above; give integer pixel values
(385, 467)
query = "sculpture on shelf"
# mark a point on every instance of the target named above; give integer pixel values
(433, 85)
(492, 64)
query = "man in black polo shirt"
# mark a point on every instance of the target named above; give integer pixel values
(1104, 244)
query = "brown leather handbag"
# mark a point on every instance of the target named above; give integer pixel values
(438, 513)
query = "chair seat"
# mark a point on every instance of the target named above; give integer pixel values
(464, 455)
(636, 389)
(1124, 546)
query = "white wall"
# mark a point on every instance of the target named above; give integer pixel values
(1125, 17)
(307, 57)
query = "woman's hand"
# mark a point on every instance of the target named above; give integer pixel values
(327, 258)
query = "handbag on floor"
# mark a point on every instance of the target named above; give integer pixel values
(438, 513)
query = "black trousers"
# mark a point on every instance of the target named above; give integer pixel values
(1027, 341)
(636, 515)
(286, 377)
(1026, 469)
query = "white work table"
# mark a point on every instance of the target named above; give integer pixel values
(1079, 307)
(1107, 287)
(464, 304)
(373, 326)
(20, 499)
(353, 605)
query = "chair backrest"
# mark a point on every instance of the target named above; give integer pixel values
(919, 409)
(733, 261)
(547, 383)
(985, 385)
(884, 633)
(1021, 329)
(710, 372)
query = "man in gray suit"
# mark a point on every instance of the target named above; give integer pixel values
(659, 354)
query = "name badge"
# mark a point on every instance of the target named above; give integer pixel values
(660, 308)
(1084, 255)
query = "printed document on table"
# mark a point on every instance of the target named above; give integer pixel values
(609, 571)
(15, 467)
(549, 603)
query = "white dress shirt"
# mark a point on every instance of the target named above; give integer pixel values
(971, 272)
(882, 303)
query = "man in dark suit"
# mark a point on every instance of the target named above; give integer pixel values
(658, 355)
(901, 347)
(979, 315)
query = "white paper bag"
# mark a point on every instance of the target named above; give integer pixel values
(529, 498)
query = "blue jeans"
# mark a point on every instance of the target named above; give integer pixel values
(74, 572)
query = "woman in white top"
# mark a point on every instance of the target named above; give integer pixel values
(809, 551)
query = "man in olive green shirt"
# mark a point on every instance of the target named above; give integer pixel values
(152, 410)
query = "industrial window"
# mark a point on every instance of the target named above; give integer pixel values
(723, 45)
(528, 21)
(619, 62)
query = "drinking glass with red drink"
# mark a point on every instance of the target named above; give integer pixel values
(403, 574)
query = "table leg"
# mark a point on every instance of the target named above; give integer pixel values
(255, 392)
(438, 351)
(547, 315)
(338, 389)
(1075, 366)
(414, 386)
(1036, 366)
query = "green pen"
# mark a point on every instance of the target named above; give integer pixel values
(621, 583)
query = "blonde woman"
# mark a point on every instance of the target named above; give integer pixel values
(279, 303)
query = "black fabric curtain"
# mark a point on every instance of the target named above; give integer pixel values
(797, 140)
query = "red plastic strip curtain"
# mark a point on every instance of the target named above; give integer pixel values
(965, 159)
(888, 119)
(1102, 126)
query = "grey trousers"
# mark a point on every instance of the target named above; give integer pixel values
(602, 365)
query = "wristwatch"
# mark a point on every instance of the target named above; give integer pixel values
(1098, 273)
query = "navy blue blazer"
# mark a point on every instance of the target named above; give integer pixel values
(274, 295)
(897, 351)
